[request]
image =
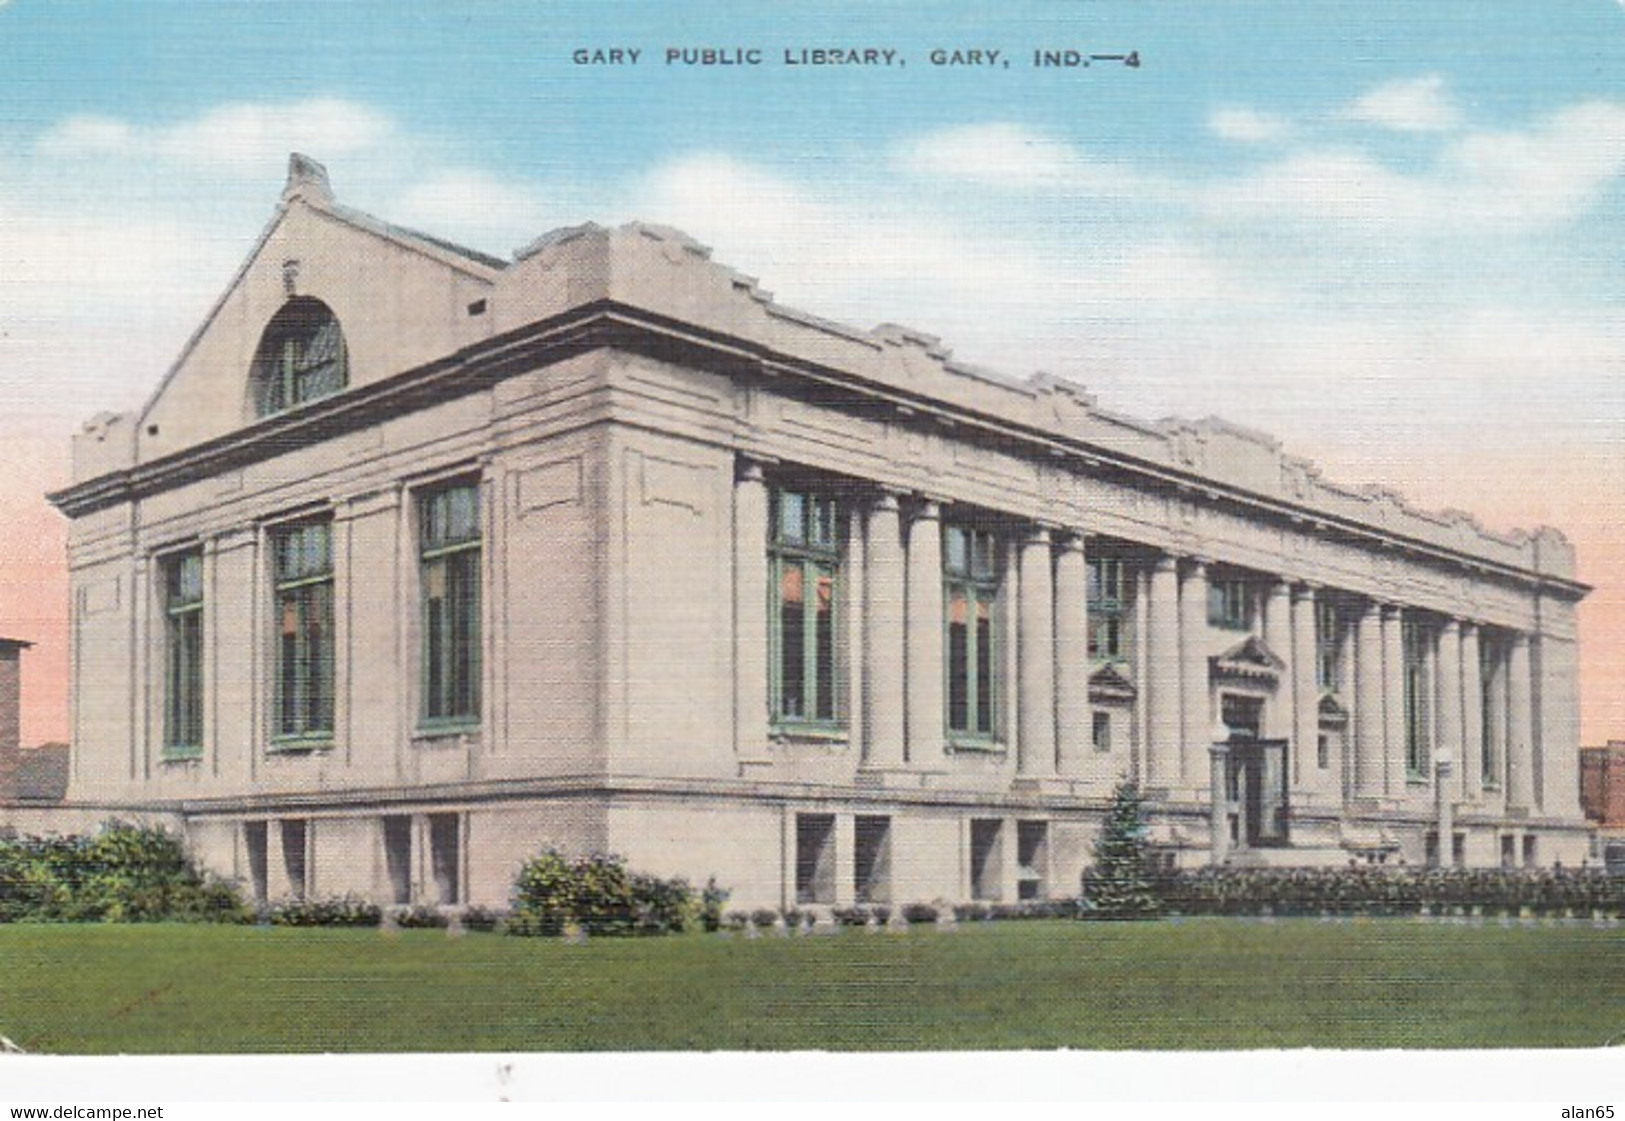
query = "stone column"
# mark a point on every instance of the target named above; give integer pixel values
(883, 630)
(1305, 693)
(1281, 720)
(1074, 724)
(750, 611)
(926, 719)
(1447, 738)
(1196, 720)
(1035, 735)
(1219, 801)
(1444, 798)
(1520, 726)
(1471, 758)
(1368, 711)
(1393, 671)
(1162, 675)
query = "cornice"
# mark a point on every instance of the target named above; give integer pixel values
(610, 324)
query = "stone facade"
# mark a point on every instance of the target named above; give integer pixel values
(419, 561)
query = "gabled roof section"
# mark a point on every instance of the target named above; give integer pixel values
(1249, 658)
(1332, 714)
(1109, 684)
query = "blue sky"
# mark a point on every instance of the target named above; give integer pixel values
(1389, 233)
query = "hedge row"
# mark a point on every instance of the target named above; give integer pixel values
(598, 895)
(1369, 890)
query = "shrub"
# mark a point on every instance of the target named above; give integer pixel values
(421, 916)
(598, 895)
(126, 873)
(736, 920)
(916, 914)
(342, 910)
(711, 900)
(480, 919)
(882, 914)
(764, 918)
(851, 916)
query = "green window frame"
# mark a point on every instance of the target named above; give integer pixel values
(1414, 643)
(971, 585)
(183, 655)
(302, 575)
(804, 557)
(301, 357)
(449, 558)
(1107, 609)
(1328, 635)
(1229, 605)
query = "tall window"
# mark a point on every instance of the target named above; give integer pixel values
(1228, 605)
(1105, 608)
(1489, 772)
(805, 555)
(301, 357)
(1417, 708)
(183, 662)
(449, 553)
(1328, 668)
(971, 585)
(302, 558)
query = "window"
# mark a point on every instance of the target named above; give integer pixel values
(871, 859)
(1328, 640)
(1323, 751)
(1228, 605)
(1102, 732)
(449, 554)
(445, 857)
(295, 853)
(183, 661)
(805, 557)
(1417, 708)
(986, 857)
(255, 849)
(815, 858)
(398, 857)
(1489, 770)
(1106, 603)
(301, 357)
(1032, 859)
(971, 588)
(303, 574)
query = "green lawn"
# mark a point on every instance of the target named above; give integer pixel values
(1194, 984)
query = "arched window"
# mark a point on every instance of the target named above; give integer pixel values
(301, 357)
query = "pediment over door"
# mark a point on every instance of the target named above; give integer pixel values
(1250, 660)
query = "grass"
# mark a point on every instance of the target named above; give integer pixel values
(1202, 984)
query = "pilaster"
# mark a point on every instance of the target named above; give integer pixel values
(924, 706)
(883, 635)
(1035, 739)
(1074, 722)
(751, 703)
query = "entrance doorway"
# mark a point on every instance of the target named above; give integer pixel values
(1255, 776)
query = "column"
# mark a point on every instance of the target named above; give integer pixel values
(1196, 721)
(1447, 739)
(925, 717)
(1368, 714)
(883, 631)
(750, 611)
(1393, 693)
(1218, 802)
(1470, 764)
(1162, 675)
(1074, 723)
(1520, 726)
(1035, 734)
(1281, 716)
(1139, 651)
(1445, 810)
(1305, 694)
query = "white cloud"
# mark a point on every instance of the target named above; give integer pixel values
(476, 207)
(1408, 105)
(996, 154)
(241, 138)
(1503, 182)
(1248, 126)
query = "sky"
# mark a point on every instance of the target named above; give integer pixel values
(1390, 234)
